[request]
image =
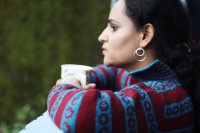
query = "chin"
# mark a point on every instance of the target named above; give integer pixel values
(107, 62)
(110, 63)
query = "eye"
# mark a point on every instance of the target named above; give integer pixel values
(114, 28)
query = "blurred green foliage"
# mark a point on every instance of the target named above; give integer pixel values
(20, 120)
(36, 37)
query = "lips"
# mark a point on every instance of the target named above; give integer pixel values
(104, 50)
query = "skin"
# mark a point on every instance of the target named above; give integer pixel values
(121, 38)
(119, 41)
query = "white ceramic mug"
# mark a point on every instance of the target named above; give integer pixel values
(81, 72)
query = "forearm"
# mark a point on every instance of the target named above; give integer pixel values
(110, 78)
(90, 110)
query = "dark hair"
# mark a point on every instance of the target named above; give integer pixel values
(194, 17)
(171, 35)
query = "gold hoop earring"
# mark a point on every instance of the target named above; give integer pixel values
(139, 54)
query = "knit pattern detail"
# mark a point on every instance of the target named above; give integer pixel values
(150, 100)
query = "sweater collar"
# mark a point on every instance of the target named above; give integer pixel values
(157, 70)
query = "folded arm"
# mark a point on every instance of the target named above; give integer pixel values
(110, 78)
(76, 110)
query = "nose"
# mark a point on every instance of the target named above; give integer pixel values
(103, 37)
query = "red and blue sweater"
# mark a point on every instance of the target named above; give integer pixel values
(149, 100)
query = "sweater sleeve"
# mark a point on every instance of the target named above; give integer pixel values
(88, 111)
(136, 108)
(110, 78)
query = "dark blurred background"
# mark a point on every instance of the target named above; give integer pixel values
(36, 37)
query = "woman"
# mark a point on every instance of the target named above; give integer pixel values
(148, 39)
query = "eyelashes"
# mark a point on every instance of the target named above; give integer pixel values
(114, 29)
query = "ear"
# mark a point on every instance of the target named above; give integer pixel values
(147, 35)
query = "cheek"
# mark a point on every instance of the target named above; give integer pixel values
(127, 46)
(122, 52)
(121, 48)
(126, 51)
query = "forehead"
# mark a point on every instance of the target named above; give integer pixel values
(118, 14)
(118, 10)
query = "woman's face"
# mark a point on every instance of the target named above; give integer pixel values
(120, 38)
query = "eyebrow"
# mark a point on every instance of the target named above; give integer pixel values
(112, 20)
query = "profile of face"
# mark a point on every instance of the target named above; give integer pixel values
(120, 38)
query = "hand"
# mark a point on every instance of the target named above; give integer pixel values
(72, 81)
(75, 82)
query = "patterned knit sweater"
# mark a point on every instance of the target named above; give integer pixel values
(148, 100)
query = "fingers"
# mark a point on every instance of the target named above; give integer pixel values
(72, 81)
(58, 81)
(89, 86)
(75, 82)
